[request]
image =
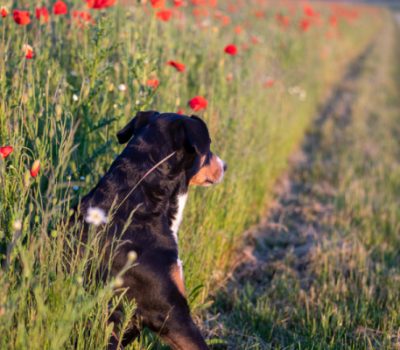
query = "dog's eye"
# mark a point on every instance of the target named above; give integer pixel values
(207, 159)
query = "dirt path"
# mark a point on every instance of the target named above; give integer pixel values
(302, 210)
(294, 224)
(275, 273)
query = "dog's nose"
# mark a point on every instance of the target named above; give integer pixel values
(225, 167)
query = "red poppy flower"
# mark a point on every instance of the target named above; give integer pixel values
(231, 50)
(28, 51)
(224, 19)
(5, 151)
(238, 29)
(284, 21)
(60, 8)
(180, 111)
(157, 4)
(199, 2)
(21, 17)
(309, 11)
(198, 103)
(333, 21)
(82, 18)
(100, 4)
(269, 83)
(180, 67)
(35, 168)
(255, 39)
(164, 15)
(3, 12)
(199, 12)
(259, 14)
(42, 14)
(178, 3)
(305, 24)
(153, 83)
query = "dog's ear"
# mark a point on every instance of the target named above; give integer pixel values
(140, 120)
(197, 134)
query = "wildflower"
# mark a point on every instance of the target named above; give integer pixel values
(82, 17)
(180, 111)
(198, 103)
(122, 87)
(303, 95)
(309, 11)
(153, 83)
(5, 151)
(231, 50)
(28, 51)
(225, 20)
(179, 3)
(305, 24)
(284, 21)
(269, 83)
(42, 14)
(96, 216)
(238, 29)
(132, 256)
(157, 4)
(299, 92)
(75, 97)
(21, 17)
(118, 282)
(164, 15)
(35, 168)
(259, 14)
(17, 225)
(100, 4)
(3, 12)
(180, 67)
(333, 21)
(60, 8)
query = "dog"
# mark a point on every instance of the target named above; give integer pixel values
(146, 188)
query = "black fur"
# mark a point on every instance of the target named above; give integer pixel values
(152, 137)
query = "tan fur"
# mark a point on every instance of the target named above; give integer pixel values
(211, 172)
(176, 276)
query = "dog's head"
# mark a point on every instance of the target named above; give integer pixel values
(187, 136)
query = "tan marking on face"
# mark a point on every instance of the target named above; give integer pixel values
(209, 173)
(177, 277)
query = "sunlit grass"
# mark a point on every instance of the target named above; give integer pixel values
(65, 106)
(345, 295)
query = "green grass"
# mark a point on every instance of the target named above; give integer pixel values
(347, 295)
(48, 303)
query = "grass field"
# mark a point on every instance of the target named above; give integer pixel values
(64, 97)
(325, 272)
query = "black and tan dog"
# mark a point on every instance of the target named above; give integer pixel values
(146, 187)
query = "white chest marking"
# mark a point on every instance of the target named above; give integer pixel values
(178, 216)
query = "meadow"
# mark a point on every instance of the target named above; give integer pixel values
(73, 73)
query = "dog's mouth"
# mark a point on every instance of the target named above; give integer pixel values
(209, 182)
(211, 173)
